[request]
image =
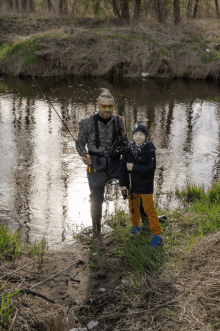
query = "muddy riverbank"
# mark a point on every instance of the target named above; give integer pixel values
(98, 47)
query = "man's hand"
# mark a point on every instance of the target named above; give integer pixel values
(86, 159)
(129, 166)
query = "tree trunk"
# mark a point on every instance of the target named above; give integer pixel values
(31, 6)
(116, 8)
(137, 9)
(217, 8)
(49, 5)
(189, 9)
(195, 9)
(63, 8)
(176, 4)
(125, 10)
(10, 4)
(96, 6)
(159, 7)
(24, 6)
(17, 5)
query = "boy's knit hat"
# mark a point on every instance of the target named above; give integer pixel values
(139, 126)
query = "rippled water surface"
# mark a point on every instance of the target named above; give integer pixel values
(43, 182)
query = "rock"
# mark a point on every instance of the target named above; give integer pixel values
(93, 325)
(145, 74)
(102, 290)
(90, 302)
(79, 329)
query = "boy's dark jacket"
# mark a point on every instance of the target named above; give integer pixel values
(142, 174)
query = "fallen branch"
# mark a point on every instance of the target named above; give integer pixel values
(43, 281)
(18, 269)
(27, 291)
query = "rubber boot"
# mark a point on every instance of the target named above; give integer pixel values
(96, 228)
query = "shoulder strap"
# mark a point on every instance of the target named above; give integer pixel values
(115, 130)
(97, 141)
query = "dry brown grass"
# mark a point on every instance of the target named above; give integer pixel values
(94, 49)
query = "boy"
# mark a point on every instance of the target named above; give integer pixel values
(137, 170)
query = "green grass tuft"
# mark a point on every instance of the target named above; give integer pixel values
(9, 243)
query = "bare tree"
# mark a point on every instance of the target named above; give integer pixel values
(96, 6)
(137, 9)
(160, 9)
(10, 4)
(116, 9)
(50, 6)
(195, 8)
(217, 8)
(189, 9)
(31, 6)
(63, 7)
(24, 6)
(176, 5)
(125, 10)
(17, 5)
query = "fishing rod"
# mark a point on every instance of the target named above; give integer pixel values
(49, 102)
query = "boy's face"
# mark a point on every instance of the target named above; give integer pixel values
(139, 138)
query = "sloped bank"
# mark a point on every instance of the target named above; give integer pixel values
(166, 51)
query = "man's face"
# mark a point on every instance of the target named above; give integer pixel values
(139, 138)
(104, 110)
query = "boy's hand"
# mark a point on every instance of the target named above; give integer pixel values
(124, 192)
(129, 166)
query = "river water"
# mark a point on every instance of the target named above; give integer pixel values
(43, 182)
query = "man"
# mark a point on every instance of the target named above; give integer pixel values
(104, 135)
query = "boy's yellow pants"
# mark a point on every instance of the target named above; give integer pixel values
(148, 205)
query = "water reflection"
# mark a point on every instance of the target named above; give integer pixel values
(43, 183)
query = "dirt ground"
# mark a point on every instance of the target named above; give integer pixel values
(101, 47)
(180, 296)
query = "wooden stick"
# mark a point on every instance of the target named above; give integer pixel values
(43, 281)
(27, 291)
(18, 269)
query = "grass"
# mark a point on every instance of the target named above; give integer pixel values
(180, 233)
(6, 309)
(210, 57)
(9, 243)
(161, 53)
(10, 248)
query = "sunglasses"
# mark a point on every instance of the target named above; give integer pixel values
(105, 107)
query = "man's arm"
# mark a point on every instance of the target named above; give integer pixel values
(81, 143)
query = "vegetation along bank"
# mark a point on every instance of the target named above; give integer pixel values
(57, 46)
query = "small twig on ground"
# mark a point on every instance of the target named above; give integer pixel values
(14, 318)
(72, 278)
(27, 291)
(18, 269)
(43, 281)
